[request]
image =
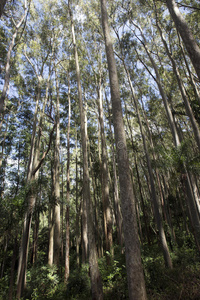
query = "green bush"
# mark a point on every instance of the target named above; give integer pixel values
(114, 277)
(42, 282)
(78, 286)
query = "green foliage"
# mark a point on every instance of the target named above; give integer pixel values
(182, 282)
(114, 277)
(42, 282)
(78, 286)
(4, 287)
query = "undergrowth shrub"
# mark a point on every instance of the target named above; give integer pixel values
(78, 286)
(42, 282)
(114, 277)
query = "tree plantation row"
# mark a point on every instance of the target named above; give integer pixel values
(99, 149)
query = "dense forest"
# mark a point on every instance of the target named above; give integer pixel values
(99, 149)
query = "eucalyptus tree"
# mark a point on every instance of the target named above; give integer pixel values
(135, 274)
(96, 284)
(39, 57)
(191, 198)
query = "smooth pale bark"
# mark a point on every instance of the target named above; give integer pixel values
(57, 239)
(68, 185)
(96, 284)
(105, 179)
(78, 211)
(136, 284)
(186, 35)
(51, 236)
(8, 60)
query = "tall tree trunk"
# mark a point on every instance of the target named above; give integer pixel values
(117, 207)
(156, 203)
(186, 35)
(105, 180)
(32, 177)
(135, 274)
(68, 183)
(57, 240)
(78, 211)
(31, 198)
(96, 284)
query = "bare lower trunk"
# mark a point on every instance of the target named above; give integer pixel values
(117, 207)
(105, 180)
(68, 185)
(51, 237)
(57, 240)
(135, 274)
(67, 246)
(156, 202)
(96, 284)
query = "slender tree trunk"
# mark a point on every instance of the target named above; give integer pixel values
(31, 198)
(78, 211)
(186, 35)
(143, 203)
(51, 236)
(105, 180)
(32, 179)
(68, 184)
(117, 207)
(156, 204)
(135, 274)
(96, 284)
(57, 240)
